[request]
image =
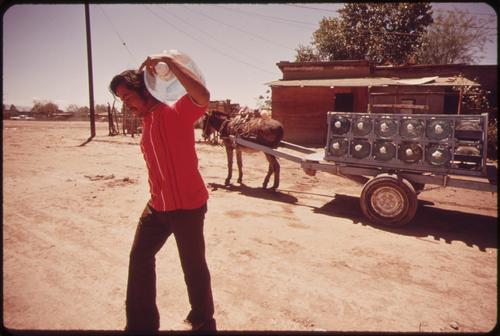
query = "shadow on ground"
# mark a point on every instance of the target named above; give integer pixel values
(267, 194)
(430, 221)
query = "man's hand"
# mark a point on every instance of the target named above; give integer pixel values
(151, 62)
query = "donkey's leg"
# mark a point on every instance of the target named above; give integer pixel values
(270, 170)
(229, 152)
(240, 165)
(276, 169)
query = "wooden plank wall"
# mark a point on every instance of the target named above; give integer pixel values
(433, 98)
(360, 99)
(302, 111)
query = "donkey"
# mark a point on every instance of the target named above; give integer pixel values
(264, 131)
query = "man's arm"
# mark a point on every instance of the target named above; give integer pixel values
(194, 87)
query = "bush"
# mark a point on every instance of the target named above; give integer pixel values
(493, 140)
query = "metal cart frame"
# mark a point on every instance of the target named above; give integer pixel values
(390, 187)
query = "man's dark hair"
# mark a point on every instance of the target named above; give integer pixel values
(132, 79)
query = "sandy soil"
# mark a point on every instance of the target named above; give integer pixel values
(301, 259)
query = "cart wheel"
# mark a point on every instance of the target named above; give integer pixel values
(389, 201)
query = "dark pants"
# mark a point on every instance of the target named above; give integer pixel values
(152, 232)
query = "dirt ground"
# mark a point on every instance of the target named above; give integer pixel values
(301, 259)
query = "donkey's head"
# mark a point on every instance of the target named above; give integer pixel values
(205, 126)
(212, 121)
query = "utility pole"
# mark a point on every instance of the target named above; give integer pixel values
(91, 81)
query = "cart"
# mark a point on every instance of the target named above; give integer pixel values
(395, 155)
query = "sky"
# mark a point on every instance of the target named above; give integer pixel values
(236, 46)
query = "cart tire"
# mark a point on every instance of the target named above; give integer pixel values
(389, 201)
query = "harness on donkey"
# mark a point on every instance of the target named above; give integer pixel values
(267, 132)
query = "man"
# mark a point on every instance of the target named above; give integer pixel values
(178, 196)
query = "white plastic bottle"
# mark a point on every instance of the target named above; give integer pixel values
(164, 86)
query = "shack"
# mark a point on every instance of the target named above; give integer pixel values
(308, 90)
(224, 106)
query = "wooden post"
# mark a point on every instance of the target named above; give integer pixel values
(369, 105)
(91, 80)
(110, 121)
(459, 110)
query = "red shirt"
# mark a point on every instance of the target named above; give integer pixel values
(168, 146)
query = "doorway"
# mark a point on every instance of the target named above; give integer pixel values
(344, 102)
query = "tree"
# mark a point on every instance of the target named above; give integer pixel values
(492, 140)
(306, 54)
(379, 32)
(330, 40)
(264, 101)
(83, 112)
(45, 107)
(455, 37)
(101, 109)
(73, 108)
(475, 101)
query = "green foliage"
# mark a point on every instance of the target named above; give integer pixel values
(73, 108)
(264, 101)
(475, 101)
(45, 107)
(385, 33)
(455, 37)
(84, 110)
(306, 54)
(474, 98)
(330, 40)
(78, 111)
(101, 109)
(493, 140)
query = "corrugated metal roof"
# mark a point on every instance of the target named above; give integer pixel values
(453, 81)
(417, 81)
(377, 81)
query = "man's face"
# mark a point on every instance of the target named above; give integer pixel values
(136, 103)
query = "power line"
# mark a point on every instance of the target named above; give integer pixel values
(207, 45)
(246, 13)
(270, 18)
(300, 6)
(204, 32)
(314, 8)
(434, 9)
(241, 30)
(462, 10)
(117, 33)
(465, 26)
